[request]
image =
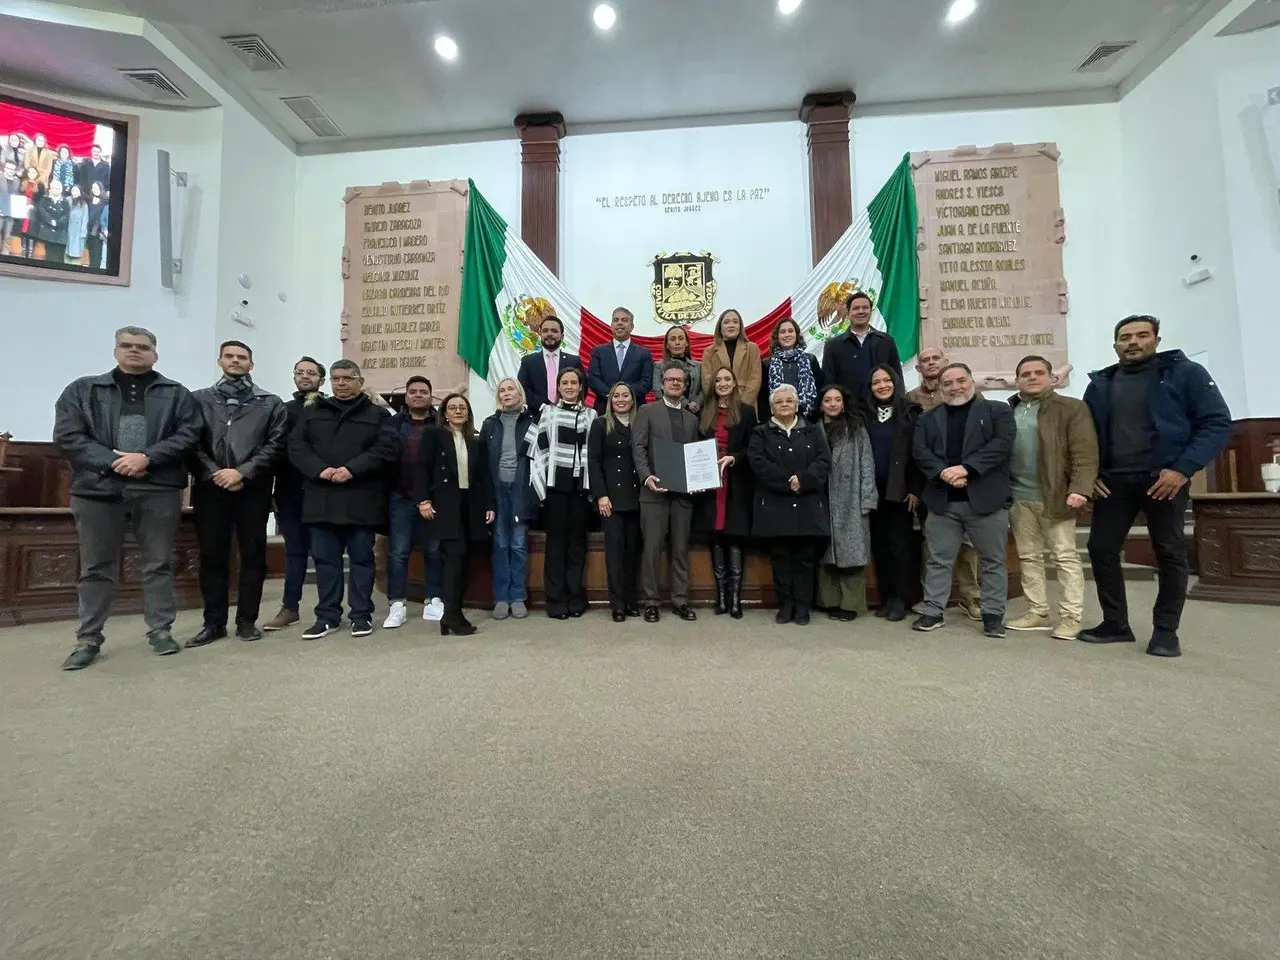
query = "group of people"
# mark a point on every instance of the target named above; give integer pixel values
(834, 474)
(54, 206)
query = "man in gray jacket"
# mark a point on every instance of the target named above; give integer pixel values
(244, 436)
(126, 435)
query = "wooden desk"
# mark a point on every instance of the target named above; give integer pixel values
(1238, 540)
(40, 563)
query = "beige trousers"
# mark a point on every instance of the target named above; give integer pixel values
(1036, 536)
(967, 581)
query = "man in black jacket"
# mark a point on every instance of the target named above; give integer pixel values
(848, 359)
(540, 371)
(244, 435)
(963, 449)
(126, 435)
(308, 378)
(344, 446)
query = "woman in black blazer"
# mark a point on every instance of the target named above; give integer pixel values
(727, 511)
(789, 363)
(455, 498)
(615, 487)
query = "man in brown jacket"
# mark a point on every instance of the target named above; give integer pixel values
(1054, 465)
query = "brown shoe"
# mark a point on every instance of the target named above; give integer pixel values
(285, 618)
(1066, 630)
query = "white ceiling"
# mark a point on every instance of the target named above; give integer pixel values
(370, 64)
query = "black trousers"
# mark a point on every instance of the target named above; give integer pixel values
(622, 557)
(457, 561)
(893, 552)
(1113, 516)
(94, 246)
(565, 565)
(795, 569)
(219, 514)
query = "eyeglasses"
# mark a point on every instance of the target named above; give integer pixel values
(673, 379)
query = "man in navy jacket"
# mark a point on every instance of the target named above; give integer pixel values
(1160, 419)
(620, 360)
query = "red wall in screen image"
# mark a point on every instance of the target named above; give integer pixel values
(58, 130)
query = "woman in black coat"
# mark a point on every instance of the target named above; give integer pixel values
(790, 460)
(727, 511)
(615, 487)
(52, 217)
(891, 425)
(455, 496)
(789, 363)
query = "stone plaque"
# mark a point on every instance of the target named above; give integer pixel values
(991, 231)
(402, 279)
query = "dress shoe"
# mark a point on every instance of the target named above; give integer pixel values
(208, 633)
(897, 611)
(786, 613)
(79, 658)
(651, 615)
(557, 616)
(844, 616)
(685, 613)
(802, 617)
(577, 614)
(460, 628)
(1164, 643)
(619, 616)
(631, 610)
(285, 618)
(1107, 633)
(162, 642)
(882, 611)
(248, 632)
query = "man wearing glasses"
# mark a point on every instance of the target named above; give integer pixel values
(343, 446)
(664, 515)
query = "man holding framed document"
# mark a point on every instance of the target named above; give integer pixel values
(671, 467)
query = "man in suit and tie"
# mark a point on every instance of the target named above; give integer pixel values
(620, 360)
(664, 516)
(540, 371)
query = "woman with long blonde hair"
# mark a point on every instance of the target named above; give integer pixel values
(504, 438)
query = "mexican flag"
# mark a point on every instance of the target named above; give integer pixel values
(507, 290)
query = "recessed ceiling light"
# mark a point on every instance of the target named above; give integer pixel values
(604, 16)
(447, 47)
(961, 10)
(788, 7)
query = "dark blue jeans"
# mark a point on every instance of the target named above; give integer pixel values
(328, 543)
(297, 546)
(401, 541)
(510, 549)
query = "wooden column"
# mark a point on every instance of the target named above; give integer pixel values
(540, 135)
(830, 180)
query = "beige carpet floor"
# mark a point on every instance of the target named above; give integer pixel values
(584, 790)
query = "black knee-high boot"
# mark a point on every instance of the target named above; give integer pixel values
(722, 581)
(735, 582)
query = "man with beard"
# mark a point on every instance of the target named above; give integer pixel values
(963, 449)
(539, 372)
(1160, 419)
(244, 435)
(308, 378)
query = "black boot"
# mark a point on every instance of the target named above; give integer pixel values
(722, 581)
(735, 582)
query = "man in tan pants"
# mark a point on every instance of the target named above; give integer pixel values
(1054, 466)
(930, 363)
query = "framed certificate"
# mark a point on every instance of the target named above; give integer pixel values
(686, 467)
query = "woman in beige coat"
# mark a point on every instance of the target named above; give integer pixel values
(732, 349)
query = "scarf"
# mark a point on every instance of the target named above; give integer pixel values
(806, 388)
(884, 411)
(234, 390)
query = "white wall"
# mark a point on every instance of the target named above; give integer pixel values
(316, 299)
(1090, 183)
(1248, 66)
(761, 241)
(66, 328)
(256, 238)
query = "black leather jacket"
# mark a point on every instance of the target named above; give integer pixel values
(249, 437)
(84, 428)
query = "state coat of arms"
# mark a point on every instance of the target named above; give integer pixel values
(684, 287)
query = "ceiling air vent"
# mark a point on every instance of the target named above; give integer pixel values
(309, 112)
(254, 53)
(1104, 56)
(154, 83)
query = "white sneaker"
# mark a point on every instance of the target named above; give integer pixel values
(434, 610)
(396, 618)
